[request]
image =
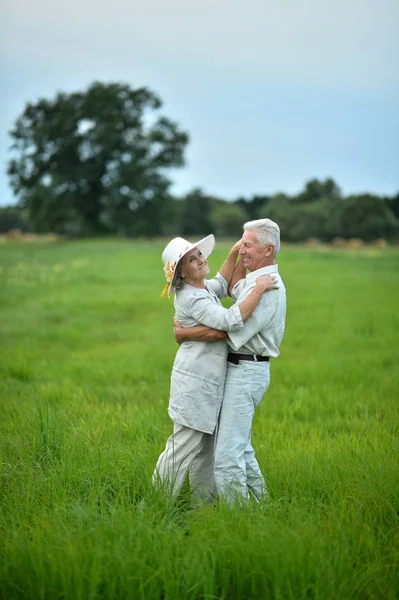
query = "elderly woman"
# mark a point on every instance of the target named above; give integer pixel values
(199, 369)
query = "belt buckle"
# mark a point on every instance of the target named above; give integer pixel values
(255, 358)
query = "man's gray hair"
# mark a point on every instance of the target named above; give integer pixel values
(267, 232)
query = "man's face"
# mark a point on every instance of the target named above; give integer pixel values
(194, 268)
(254, 255)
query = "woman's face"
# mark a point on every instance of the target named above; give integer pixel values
(194, 268)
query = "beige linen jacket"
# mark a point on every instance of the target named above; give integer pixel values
(199, 369)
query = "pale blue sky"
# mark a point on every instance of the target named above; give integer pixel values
(273, 93)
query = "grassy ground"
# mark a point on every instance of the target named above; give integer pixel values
(85, 359)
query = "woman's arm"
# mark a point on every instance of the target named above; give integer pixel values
(262, 284)
(209, 333)
(203, 310)
(227, 268)
(238, 274)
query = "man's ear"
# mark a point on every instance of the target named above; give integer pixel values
(269, 250)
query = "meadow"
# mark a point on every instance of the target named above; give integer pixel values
(86, 353)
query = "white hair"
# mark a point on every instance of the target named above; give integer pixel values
(267, 232)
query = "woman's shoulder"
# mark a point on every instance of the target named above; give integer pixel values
(188, 294)
(190, 290)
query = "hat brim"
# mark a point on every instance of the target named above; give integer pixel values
(206, 245)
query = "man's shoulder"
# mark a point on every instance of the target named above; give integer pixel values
(238, 287)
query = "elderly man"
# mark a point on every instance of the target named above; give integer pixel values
(237, 471)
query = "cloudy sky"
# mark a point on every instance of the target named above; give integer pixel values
(272, 92)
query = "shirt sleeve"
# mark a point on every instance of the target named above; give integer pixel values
(256, 322)
(206, 312)
(218, 285)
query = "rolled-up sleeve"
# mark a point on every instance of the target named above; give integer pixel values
(218, 285)
(256, 322)
(206, 312)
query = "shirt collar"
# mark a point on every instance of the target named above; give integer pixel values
(251, 277)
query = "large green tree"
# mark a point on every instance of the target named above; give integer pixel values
(96, 160)
(12, 217)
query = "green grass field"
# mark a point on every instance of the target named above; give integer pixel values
(86, 353)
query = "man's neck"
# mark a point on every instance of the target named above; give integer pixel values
(264, 263)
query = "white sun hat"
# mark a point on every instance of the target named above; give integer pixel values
(175, 251)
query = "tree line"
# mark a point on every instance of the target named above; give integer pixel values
(96, 162)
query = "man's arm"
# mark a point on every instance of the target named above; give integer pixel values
(199, 333)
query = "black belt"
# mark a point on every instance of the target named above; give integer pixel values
(235, 358)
